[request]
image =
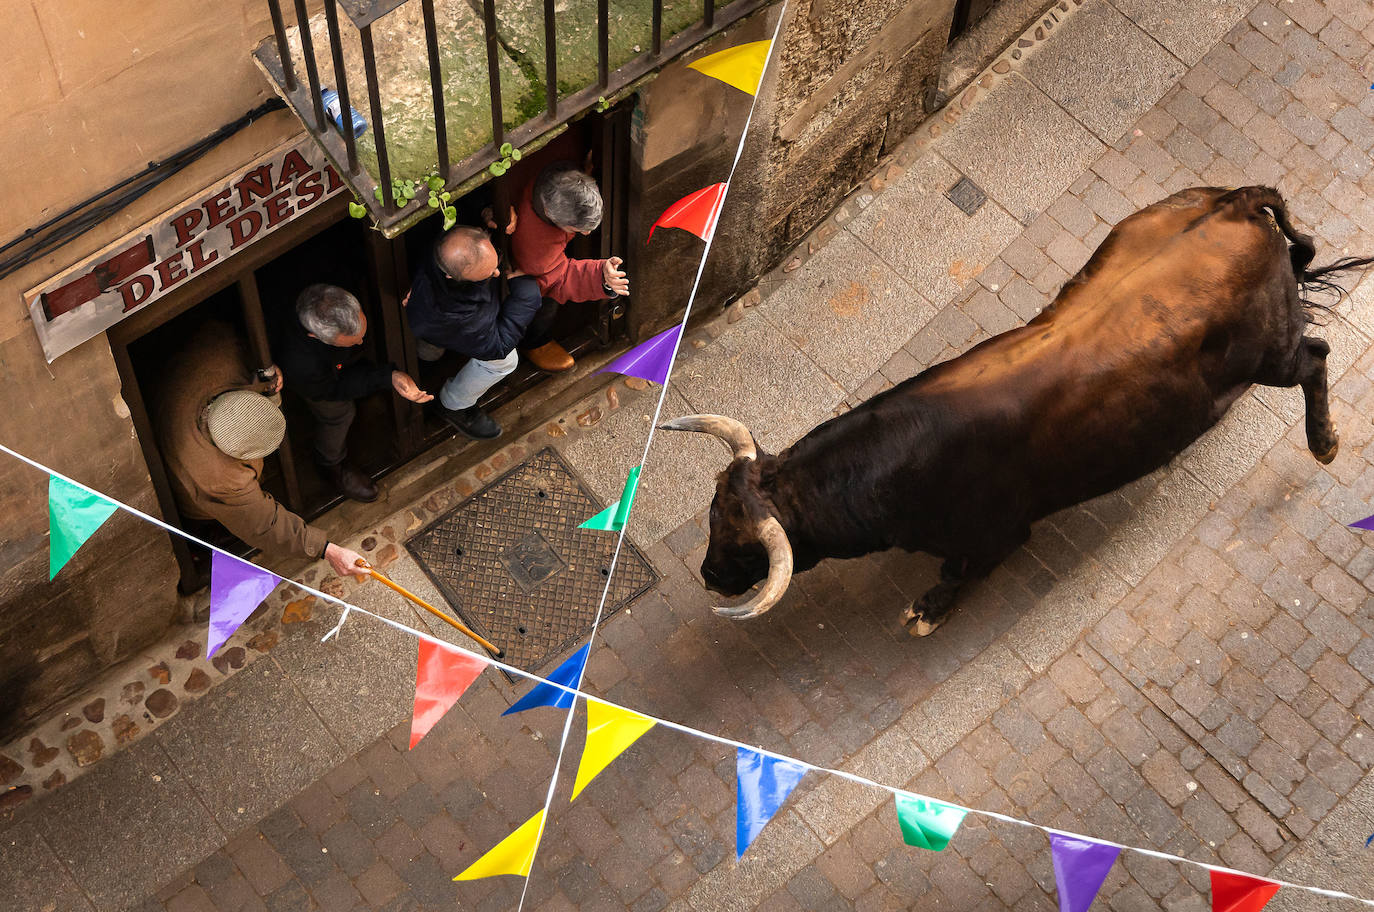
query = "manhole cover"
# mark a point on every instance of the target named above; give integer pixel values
(513, 564)
(967, 195)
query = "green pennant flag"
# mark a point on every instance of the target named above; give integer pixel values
(927, 824)
(613, 518)
(73, 516)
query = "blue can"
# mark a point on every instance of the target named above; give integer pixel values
(332, 109)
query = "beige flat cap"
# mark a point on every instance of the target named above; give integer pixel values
(244, 424)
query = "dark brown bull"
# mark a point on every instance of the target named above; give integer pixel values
(1184, 306)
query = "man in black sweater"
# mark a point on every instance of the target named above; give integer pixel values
(322, 361)
(455, 303)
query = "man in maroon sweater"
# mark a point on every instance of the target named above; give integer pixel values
(560, 203)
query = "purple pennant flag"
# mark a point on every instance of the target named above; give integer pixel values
(1080, 866)
(236, 589)
(1367, 524)
(649, 360)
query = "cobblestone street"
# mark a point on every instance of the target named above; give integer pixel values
(1185, 665)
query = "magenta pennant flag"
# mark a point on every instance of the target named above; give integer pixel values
(236, 589)
(648, 360)
(1080, 866)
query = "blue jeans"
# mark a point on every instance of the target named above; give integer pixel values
(464, 388)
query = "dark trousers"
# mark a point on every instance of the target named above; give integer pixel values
(332, 420)
(540, 331)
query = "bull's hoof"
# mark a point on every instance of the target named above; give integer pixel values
(1329, 455)
(917, 625)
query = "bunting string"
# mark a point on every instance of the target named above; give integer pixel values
(574, 692)
(764, 778)
(622, 513)
(855, 777)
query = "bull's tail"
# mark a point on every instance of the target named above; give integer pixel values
(1316, 289)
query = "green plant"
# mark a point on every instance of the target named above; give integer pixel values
(601, 104)
(508, 154)
(404, 190)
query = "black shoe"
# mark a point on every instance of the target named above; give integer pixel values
(349, 482)
(471, 422)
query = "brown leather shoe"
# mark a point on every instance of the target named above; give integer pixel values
(551, 357)
(351, 483)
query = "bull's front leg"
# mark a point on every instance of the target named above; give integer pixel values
(1311, 371)
(930, 610)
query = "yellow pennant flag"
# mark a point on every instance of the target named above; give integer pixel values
(512, 855)
(610, 730)
(741, 67)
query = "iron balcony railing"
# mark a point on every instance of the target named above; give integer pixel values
(430, 108)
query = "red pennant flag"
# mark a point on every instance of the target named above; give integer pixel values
(696, 212)
(1240, 892)
(440, 679)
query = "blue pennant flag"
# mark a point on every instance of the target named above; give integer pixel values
(762, 784)
(543, 694)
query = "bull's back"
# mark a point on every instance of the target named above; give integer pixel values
(1140, 354)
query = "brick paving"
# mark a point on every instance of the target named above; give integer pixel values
(1215, 704)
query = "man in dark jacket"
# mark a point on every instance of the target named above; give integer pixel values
(321, 353)
(455, 303)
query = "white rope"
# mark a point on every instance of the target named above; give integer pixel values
(644, 457)
(666, 723)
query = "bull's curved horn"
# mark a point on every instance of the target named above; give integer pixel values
(728, 429)
(774, 538)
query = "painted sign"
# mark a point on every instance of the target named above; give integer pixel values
(209, 228)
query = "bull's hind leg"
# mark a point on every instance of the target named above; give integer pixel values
(1311, 375)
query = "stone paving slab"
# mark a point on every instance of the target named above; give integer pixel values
(847, 312)
(362, 682)
(31, 877)
(250, 745)
(743, 373)
(925, 238)
(131, 794)
(1334, 854)
(681, 476)
(1104, 92)
(1187, 29)
(1227, 453)
(1020, 146)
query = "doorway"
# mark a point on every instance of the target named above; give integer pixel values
(255, 293)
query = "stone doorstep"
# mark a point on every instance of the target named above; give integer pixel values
(136, 696)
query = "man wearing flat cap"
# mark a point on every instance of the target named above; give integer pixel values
(216, 423)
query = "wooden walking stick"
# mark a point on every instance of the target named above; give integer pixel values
(496, 651)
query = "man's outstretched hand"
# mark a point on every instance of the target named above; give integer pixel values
(406, 388)
(613, 277)
(342, 560)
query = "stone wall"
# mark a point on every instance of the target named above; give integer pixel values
(94, 90)
(850, 79)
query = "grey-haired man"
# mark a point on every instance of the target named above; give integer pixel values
(321, 355)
